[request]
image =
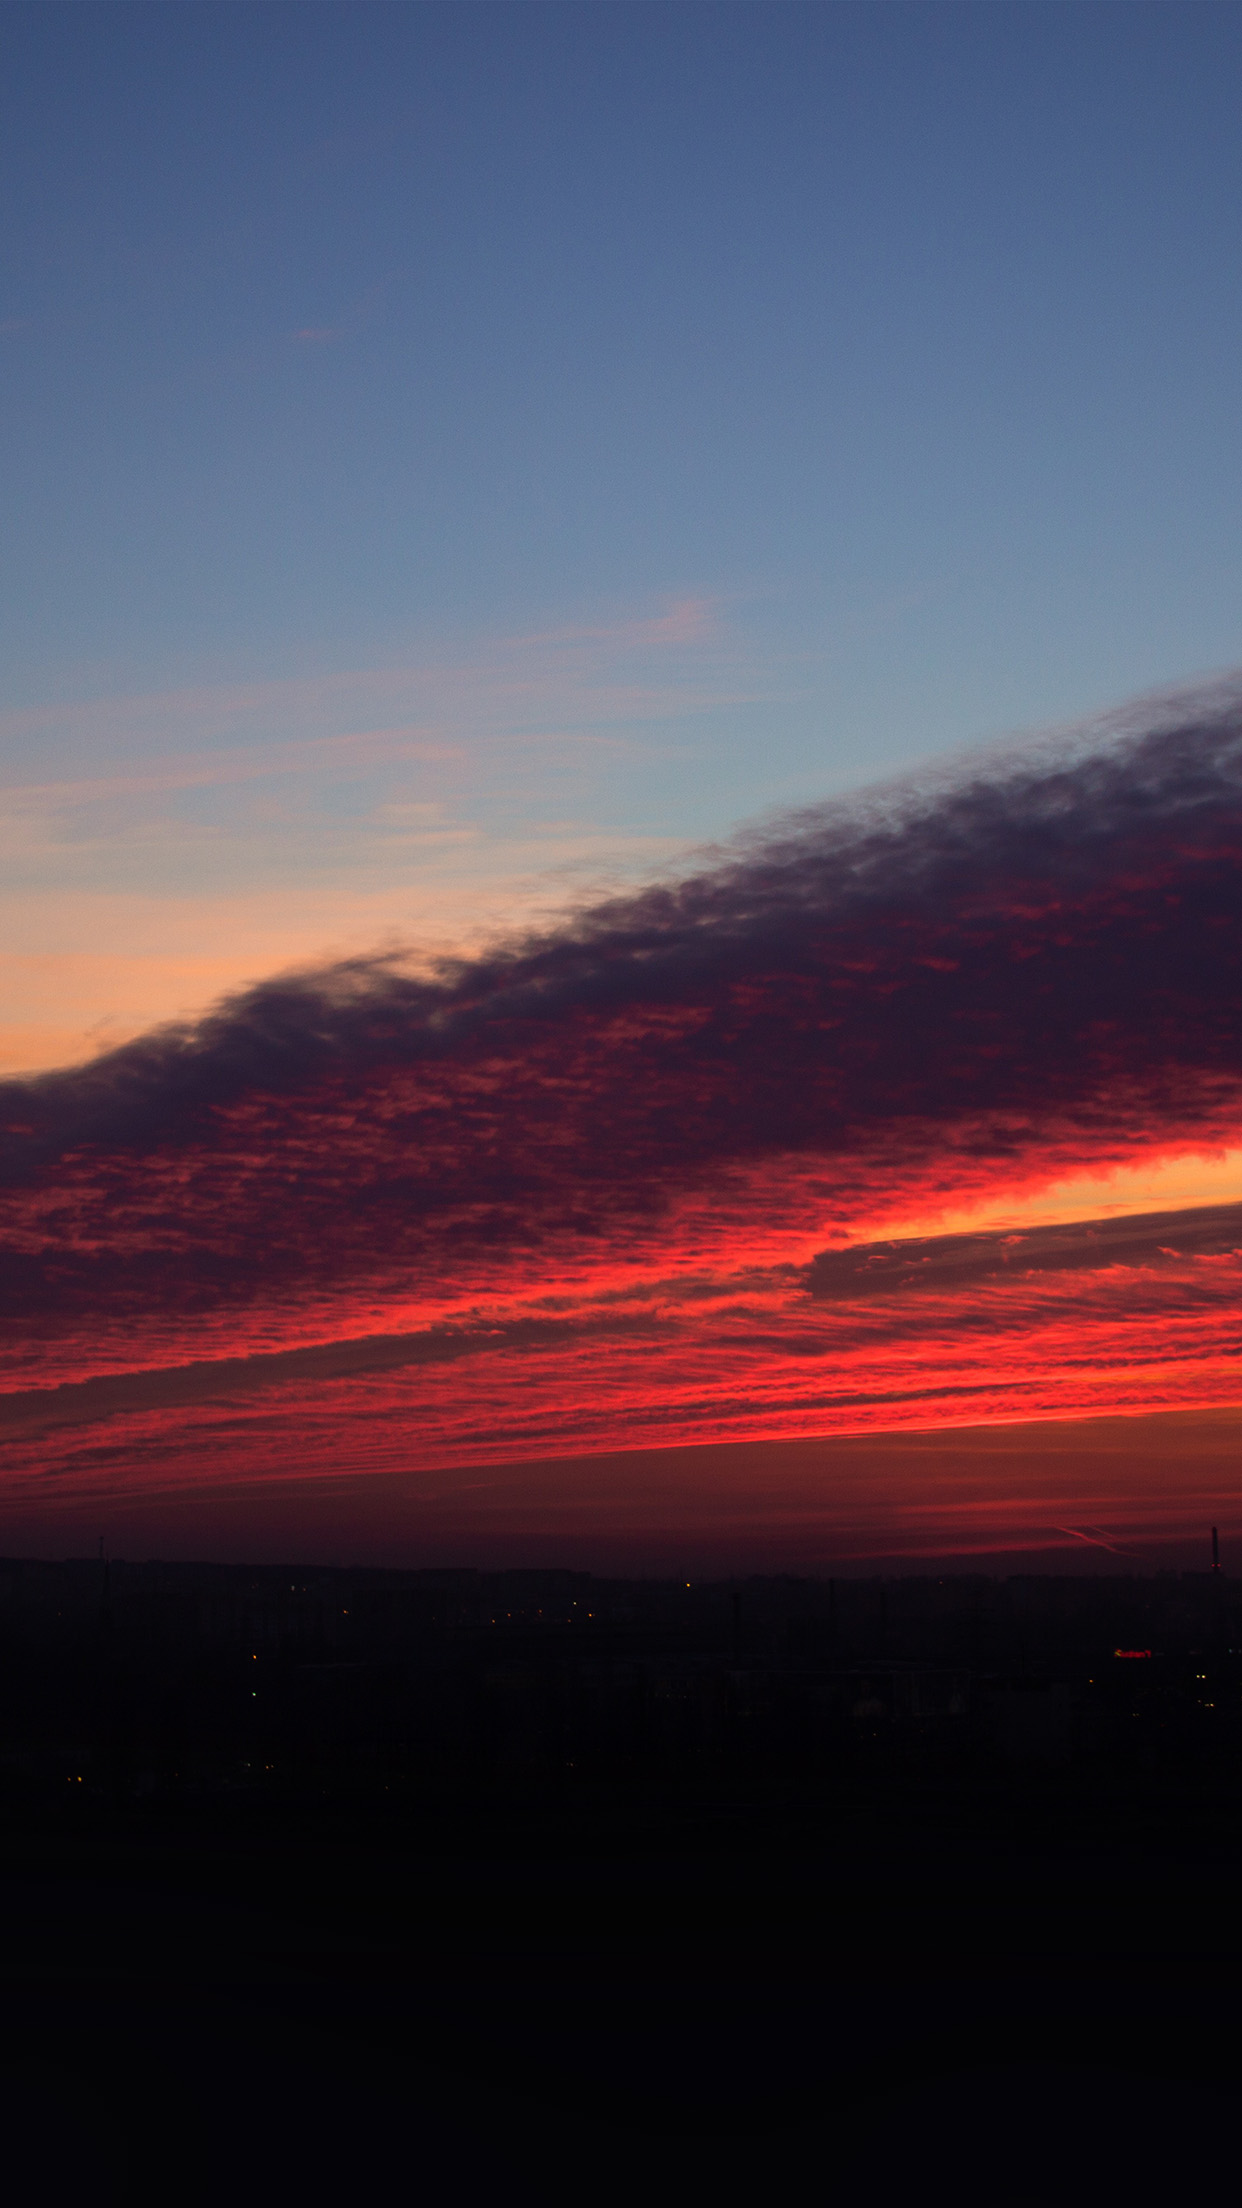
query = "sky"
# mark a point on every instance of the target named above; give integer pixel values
(622, 767)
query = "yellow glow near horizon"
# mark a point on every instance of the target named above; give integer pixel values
(1165, 1184)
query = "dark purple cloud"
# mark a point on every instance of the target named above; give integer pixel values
(946, 1264)
(1041, 960)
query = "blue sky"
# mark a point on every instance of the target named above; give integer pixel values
(457, 454)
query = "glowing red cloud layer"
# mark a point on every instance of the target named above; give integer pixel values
(1155, 1329)
(570, 1198)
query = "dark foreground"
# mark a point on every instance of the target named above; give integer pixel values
(326, 1885)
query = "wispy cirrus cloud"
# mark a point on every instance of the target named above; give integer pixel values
(585, 674)
(307, 816)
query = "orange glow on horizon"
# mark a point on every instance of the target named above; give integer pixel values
(1172, 1181)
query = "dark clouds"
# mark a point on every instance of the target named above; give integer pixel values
(1043, 962)
(234, 1379)
(947, 1264)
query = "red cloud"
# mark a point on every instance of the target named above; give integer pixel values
(883, 1009)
